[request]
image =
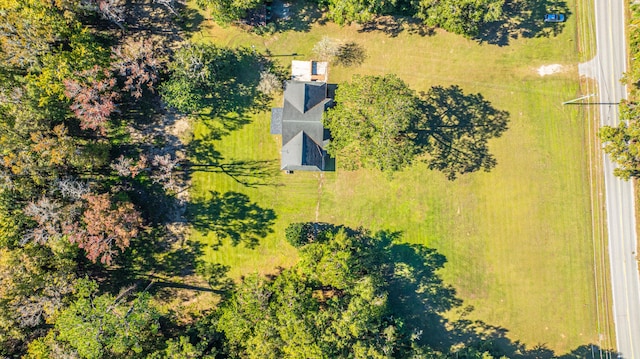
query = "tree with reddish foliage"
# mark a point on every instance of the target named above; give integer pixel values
(93, 98)
(104, 227)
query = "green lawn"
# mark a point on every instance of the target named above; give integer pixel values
(518, 239)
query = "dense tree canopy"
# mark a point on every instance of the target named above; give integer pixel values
(334, 303)
(379, 122)
(102, 326)
(370, 123)
(228, 11)
(213, 79)
(68, 83)
(622, 143)
(30, 30)
(359, 11)
(198, 71)
(464, 17)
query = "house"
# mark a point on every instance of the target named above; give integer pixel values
(299, 121)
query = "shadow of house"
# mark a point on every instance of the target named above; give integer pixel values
(299, 121)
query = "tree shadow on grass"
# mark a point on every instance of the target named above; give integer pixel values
(231, 215)
(295, 15)
(392, 26)
(590, 351)
(239, 95)
(249, 173)
(190, 19)
(350, 54)
(150, 256)
(455, 130)
(421, 299)
(524, 19)
(420, 296)
(429, 308)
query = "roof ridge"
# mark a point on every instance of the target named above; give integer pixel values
(325, 100)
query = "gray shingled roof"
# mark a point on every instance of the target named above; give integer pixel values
(305, 95)
(302, 154)
(276, 121)
(303, 135)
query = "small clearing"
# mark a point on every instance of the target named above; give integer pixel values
(549, 69)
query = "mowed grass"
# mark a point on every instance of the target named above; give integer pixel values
(518, 239)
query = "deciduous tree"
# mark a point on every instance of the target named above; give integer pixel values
(137, 62)
(379, 122)
(359, 11)
(105, 227)
(128, 167)
(197, 71)
(208, 79)
(334, 303)
(269, 83)
(112, 10)
(370, 123)
(93, 98)
(33, 284)
(622, 143)
(104, 326)
(225, 12)
(30, 29)
(464, 17)
(326, 48)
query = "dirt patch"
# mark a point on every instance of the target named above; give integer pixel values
(549, 69)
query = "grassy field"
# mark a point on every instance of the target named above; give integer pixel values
(519, 239)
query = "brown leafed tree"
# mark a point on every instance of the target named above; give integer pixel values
(127, 167)
(137, 63)
(71, 188)
(163, 166)
(112, 10)
(105, 227)
(93, 98)
(48, 215)
(269, 83)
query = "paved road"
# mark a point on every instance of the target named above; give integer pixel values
(610, 64)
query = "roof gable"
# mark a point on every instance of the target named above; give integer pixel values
(302, 153)
(304, 96)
